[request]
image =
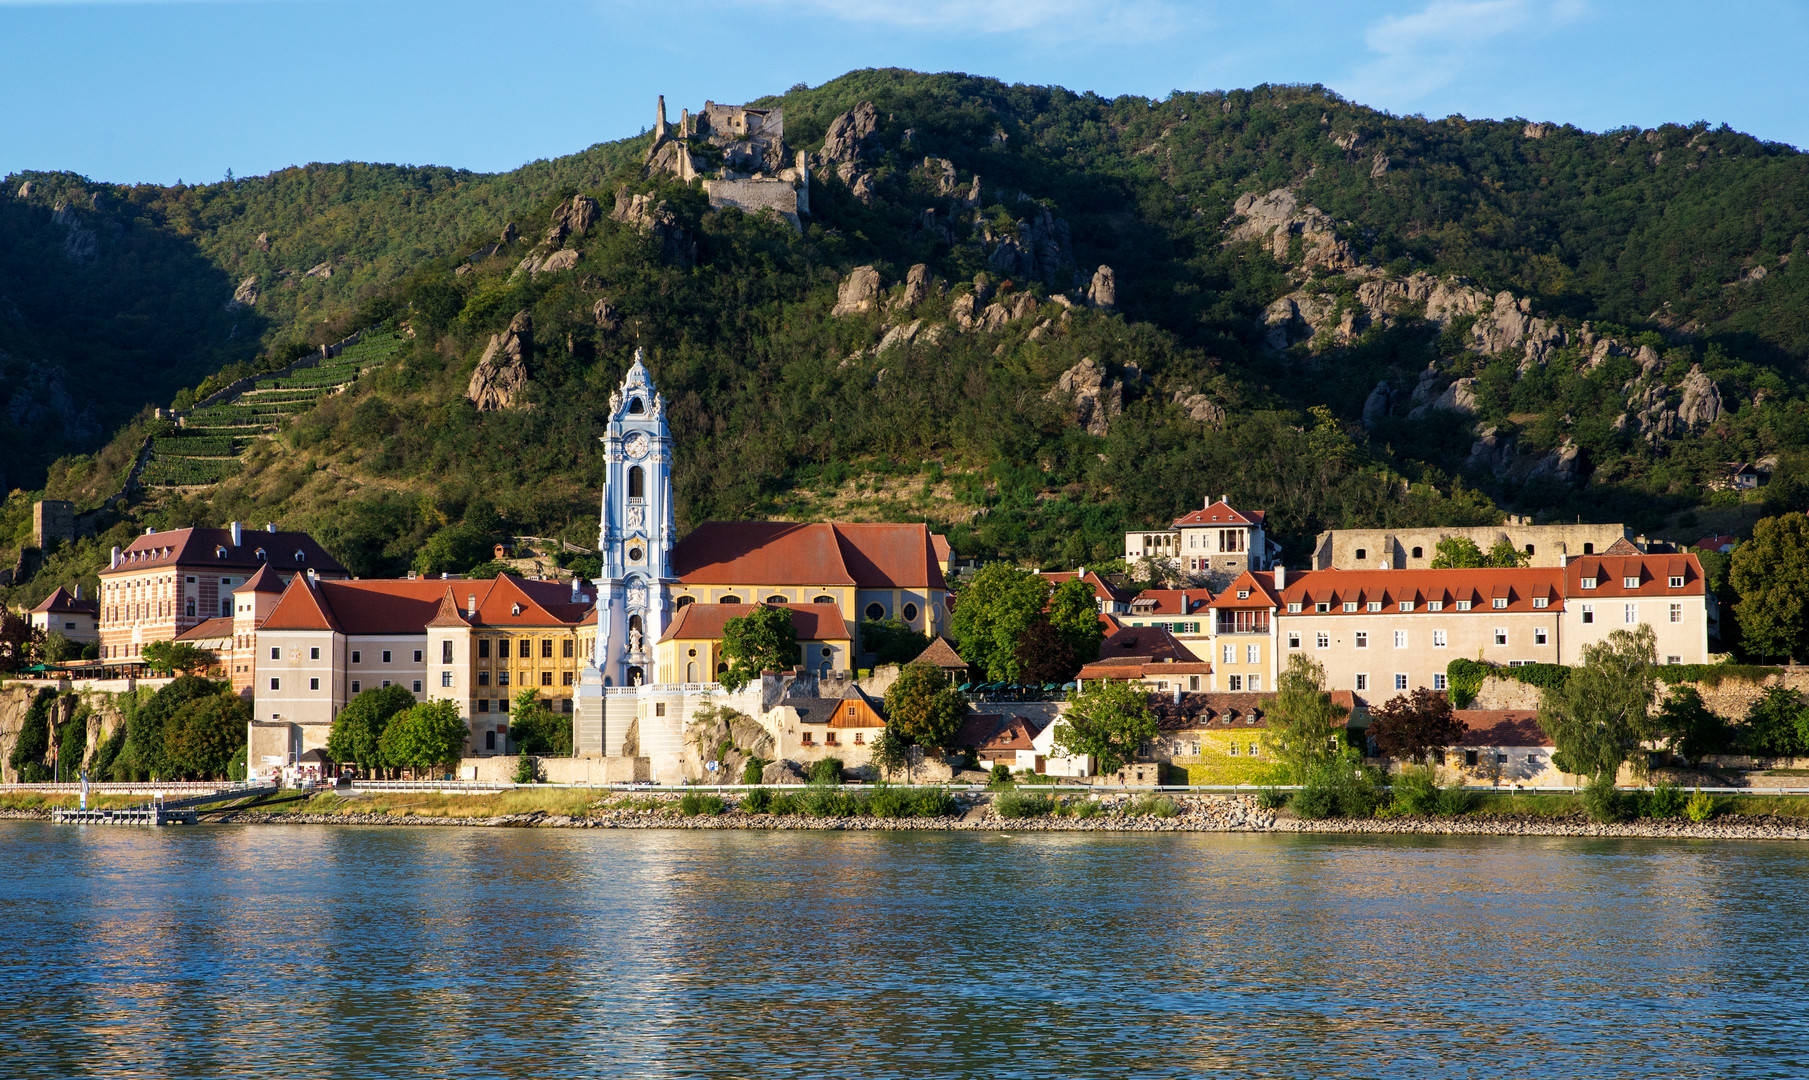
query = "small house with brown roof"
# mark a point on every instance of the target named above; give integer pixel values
(940, 654)
(838, 720)
(66, 613)
(1501, 746)
(1211, 545)
(995, 739)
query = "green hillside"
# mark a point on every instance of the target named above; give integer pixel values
(1655, 329)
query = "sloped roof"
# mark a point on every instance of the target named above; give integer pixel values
(208, 630)
(1519, 585)
(1147, 642)
(63, 602)
(1102, 588)
(1653, 573)
(301, 608)
(1722, 543)
(824, 707)
(395, 606)
(940, 654)
(1501, 727)
(869, 556)
(811, 622)
(1621, 546)
(1170, 601)
(214, 549)
(1220, 513)
(1261, 588)
(265, 580)
(993, 733)
(1141, 667)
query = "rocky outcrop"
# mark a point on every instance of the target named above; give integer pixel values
(1094, 399)
(246, 295)
(563, 259)
(1200, 408)
(1278, 218)
(851, 135)
(859, 292)
(726, 737)
(782, 772)
(916, 288)
(502, 372)
(606, 315)
(1459, 397)
(1701, 404)
(1500, 456)
(573, 217)
(1103, 292)
(263, 241)
(656, 219)
(1375, 406)
(1038, 246)
(323, 271)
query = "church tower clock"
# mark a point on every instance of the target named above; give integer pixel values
(635, 533)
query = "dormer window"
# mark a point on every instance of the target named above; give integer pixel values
(1294, 609)
(1243, 594)
(1500, 602)
(1375, 605)
(1435, 605)
(1589, 583)
(515, 609)
(1629, 583)
(1541, 601)
(1322, 607)
(1676, 581)
(260, 554)
(219, 553)
(1463, 605)
(1350, 605)
(299, 557)
(1406, 605)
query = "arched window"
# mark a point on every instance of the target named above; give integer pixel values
(260, 554)
(909, 612)
(776, 599)
(1589, 549)
(691, 671)
(823, 600)
(636, 405)
(730, 600)
(876, 611)
(1419, 553)
(299, 557)
(685, 601)
(1529, 549)
(637, 483)
(722, 669)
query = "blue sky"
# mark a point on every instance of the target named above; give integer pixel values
(144, 90)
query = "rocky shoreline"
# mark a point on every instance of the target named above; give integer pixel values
(1196, 814)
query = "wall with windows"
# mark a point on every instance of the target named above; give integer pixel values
(1379, 654)
(299, 677)
(483, 668)
(1679, 622)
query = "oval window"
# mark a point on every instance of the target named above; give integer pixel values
(910, 613)
(875, 612)
(828, 652)
(634, 554)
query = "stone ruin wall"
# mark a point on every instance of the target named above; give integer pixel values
(1337, 548)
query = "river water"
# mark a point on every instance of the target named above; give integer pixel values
(343, 951)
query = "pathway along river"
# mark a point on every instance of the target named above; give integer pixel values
(363, 952)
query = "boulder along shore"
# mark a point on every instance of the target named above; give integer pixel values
(1194, 814)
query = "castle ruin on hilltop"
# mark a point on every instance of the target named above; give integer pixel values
(739, 153)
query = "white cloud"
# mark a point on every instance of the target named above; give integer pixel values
(1417, 54)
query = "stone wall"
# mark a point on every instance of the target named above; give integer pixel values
(1730, 698)
(558, 770)
(1338, 547)
(754, 196)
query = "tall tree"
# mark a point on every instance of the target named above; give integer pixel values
(1407, 726)
(202, 735)
(1689, 727)
(430, 735)
(1109, 720)
(1602, 714)
(1044, 656)
(1771, 574)
(892, 641)
(1074, 613)
(358, 729)
(1458, 553)
(1302, 720)
(992, 613)
(762, 640)
(923, 707)
(537, 729)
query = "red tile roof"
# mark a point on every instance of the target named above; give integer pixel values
(1391, 588)
(265, 580)
(1501, 727)
(990, 733)
(1653, 572)
(870, 556)
(1148, 642)
(1142, 667)
(1102, 589)
(1170, 602)
(62, 602)
(811, 622)
(1259, 587)
(212, 629)
(1723, 543)
(1220, 513)
(941, 654)
(408, 607)
(214, 549)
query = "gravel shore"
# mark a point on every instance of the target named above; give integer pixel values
(1196, 813)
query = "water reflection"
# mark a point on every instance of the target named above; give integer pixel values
(463, 952)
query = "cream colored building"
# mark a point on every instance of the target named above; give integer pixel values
(1665, 592)
(1414, 549)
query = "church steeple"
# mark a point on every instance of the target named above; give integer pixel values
(635, 532)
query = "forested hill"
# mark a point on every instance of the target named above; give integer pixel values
(1345, 317)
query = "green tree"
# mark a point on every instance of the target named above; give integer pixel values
(357, 731)
(57, 648)
(1044, 656)
(1504, 554)
(1602, 715)
(1302, 719)
(204, 733)
(1074, 613)
(1109, 721)
(992, 614)
(1458, 553)
(1770, 573)
(145, 753)
(1777, 725)
(762, 640)
(455, 549)
(1690, 729)
(174, 656)
(1407, 726)
(537, 729)
(890, 752)
(892, 641)
(923, 707)
(430, 735)
(34, 735)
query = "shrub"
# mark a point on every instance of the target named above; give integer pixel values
(1315, 802)
(694, 803)
(1001, 776)
(826, 771)
(1160, 806)
(831, 802)
(891, 802)
(1272, 798)
(786, 804)
(1664, 801)
(1456, 801)
(1700, 807)
(1085, 809)
(1416, 793)
(1012, 805)
(754, 771)
(1338, 789)
(1603, 802)
(526, 771)
(757, 801)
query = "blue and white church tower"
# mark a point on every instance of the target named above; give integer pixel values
(635, 533)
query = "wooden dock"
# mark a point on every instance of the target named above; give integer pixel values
(157, 812)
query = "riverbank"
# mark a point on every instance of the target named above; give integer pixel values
(1501, 815)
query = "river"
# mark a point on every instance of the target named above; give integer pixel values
(358, 952)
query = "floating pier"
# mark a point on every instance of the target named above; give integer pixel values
(157, 812)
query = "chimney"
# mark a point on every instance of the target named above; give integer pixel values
(471, 605)
(237, 538)
(313, 575)
(113, 563)
(1281, 577)
(78, 590)
(1226, 499)
(1384, 564)
(269, 526)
